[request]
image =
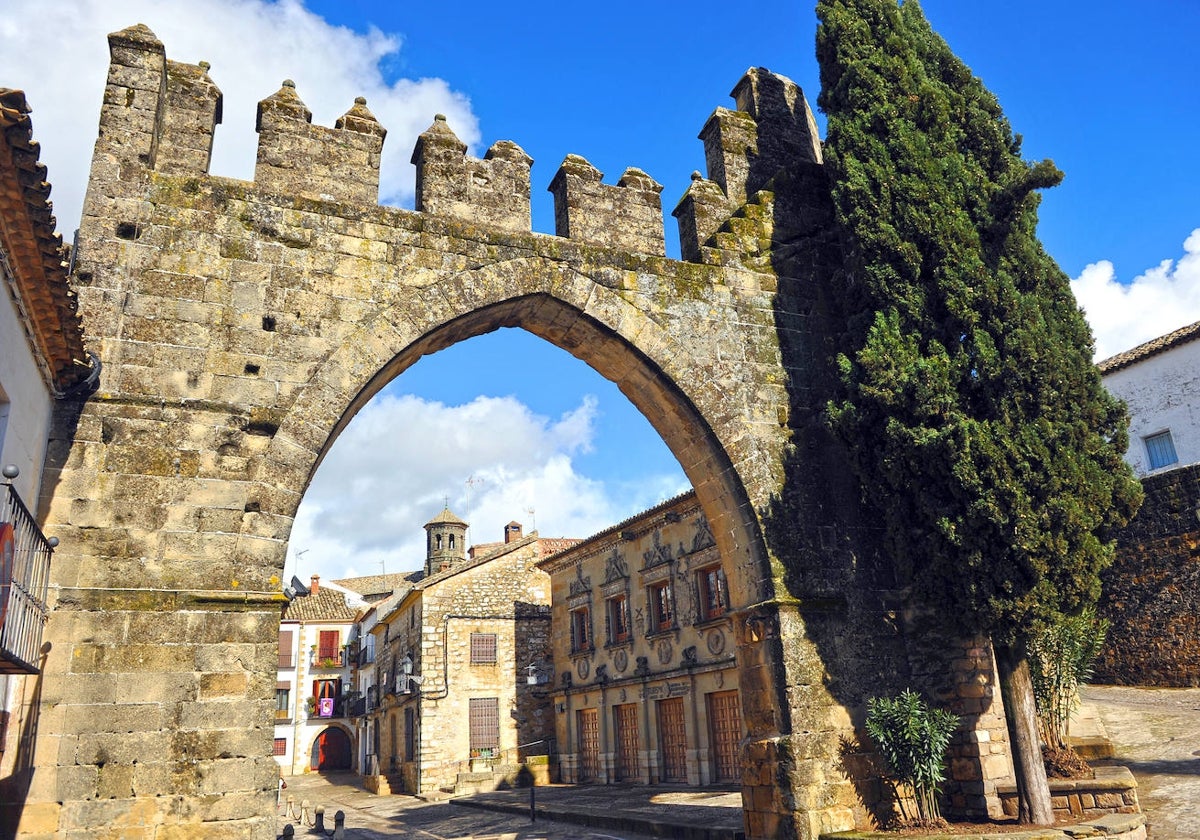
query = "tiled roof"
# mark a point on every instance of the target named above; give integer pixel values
(377, 587)
(553, 545)
(326, 605)
(34, 250)
(1153, 347)
(446, 518)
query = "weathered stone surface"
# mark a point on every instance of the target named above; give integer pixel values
(240, 323)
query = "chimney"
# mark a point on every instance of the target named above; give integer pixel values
(512, 532)
(314, 584)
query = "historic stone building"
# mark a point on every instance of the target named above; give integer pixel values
(647, 685)
(1152, 591)
(42, 359)
(456, 709)
(241, 324)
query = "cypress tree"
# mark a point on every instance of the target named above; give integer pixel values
(976, 421)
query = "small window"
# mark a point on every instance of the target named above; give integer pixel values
(283, 701)
(483, 648)
(581, 629)
(617, 618)
(713, 602)
(280, 747)
(662, 610)
(1161, 450)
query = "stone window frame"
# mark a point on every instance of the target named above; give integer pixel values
(610, 592)
(580, 622)
(707, 612)
(661, 614)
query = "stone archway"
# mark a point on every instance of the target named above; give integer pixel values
(242, 324)
(331, 750)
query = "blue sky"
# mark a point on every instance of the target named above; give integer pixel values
(1106, 89)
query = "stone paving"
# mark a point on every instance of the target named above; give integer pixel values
(1155, 733)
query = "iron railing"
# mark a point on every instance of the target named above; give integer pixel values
(24, 580)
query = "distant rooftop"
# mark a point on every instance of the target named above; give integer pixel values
(1151, 348)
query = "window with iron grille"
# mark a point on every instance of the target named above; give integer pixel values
(483, 648)
(1161, 450)
(617, 619)
(662, 611)
(280, 747)
(484, 722)
(287, 652)
(712, 592)
(581, 629)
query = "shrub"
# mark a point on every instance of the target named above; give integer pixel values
(1061, 656)
(912, 738)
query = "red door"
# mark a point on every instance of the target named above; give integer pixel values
(332, 750)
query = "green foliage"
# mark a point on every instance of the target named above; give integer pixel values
(1061, 655)
(977, 422)
(913, 738)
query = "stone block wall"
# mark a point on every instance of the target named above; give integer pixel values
(1151, 592)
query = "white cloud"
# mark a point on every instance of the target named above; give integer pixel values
(58, 54)
(1162, 299)
(396, 464)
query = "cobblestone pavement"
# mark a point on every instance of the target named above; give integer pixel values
(1156, 734)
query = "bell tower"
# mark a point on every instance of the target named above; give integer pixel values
(445, 543)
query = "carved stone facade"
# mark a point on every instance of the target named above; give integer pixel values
(242, 324)
(646, 685)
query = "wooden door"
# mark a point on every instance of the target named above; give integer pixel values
(588, 728)
(625, 725)
(672, 740)
(725, 727)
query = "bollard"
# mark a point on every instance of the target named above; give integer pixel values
(290, 813)
(305, 817)
(320, 817)
(289, 830)
(339, 825)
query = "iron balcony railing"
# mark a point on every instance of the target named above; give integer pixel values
(24, 579)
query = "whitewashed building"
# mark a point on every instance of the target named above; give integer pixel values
(1160, 382)
(42, 361)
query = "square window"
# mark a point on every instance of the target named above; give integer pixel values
(1161, 450)
(662, 608)
(617, 619)
(483, 648)
(581, 629)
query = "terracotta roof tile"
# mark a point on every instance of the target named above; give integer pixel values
(1151, 348)
(326, 605)
(34, 251)
(377, 587)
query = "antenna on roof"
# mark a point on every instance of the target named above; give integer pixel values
(471, 482)
(532, 518)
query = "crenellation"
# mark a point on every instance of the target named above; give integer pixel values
(627, 216)
(331, 164)
(131, 115)
(493, 191)
(730, 141)
(192, 113)
(700, 214)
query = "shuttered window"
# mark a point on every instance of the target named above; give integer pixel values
(287, 650)
(483, 648)
(328, 644)
(1161, 450)
(484, 722)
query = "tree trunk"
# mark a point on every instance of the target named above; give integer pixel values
(1033, 791)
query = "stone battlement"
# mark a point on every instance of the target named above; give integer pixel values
(160, 116)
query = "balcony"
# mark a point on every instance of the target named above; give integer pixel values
(24, 578)
(327, 659)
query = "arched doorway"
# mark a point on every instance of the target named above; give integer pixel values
(331, 751)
